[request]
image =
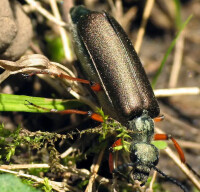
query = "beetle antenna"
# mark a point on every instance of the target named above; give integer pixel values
(171, 179)
(193, 171)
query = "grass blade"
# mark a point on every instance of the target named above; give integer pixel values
(169, 50)
(19, 103)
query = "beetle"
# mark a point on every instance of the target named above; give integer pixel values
(109, 60)
(115, 73)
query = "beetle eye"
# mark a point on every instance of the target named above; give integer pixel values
(133, 155)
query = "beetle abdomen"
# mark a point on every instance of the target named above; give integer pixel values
(117, 67)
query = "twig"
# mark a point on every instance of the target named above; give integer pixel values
(177, 91)
(63, 33)
(152, 182)
(146, 14)
(179, 47)
(112, 5)
(127, 18)
(45, 13)
(58, 186)
(4, 75)
(24, 166)
(68, 151)
(119, 11)
(94, 170)
(80, 172)
(83, 99)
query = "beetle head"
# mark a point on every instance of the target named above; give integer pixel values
(144, 156)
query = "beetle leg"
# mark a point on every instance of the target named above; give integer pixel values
(159, 118)
(111, 160)
(92, 115)
(94, 86)
(176, 145)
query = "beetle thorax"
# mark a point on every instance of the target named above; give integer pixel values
(143, 128)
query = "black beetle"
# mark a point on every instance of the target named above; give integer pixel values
(115, 73)
(108, 58)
